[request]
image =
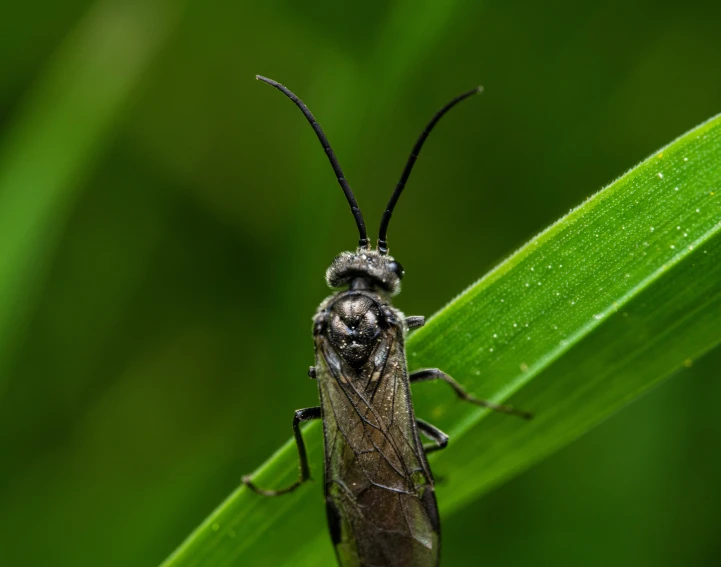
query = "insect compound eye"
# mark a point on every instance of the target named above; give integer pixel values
(397, 269)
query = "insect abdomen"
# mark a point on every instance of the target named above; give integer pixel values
(380, 500)
(392, 530)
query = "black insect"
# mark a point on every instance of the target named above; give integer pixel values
(379, 493)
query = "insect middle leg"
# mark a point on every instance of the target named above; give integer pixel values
(435, 374)
(440, 439)
(301, 415)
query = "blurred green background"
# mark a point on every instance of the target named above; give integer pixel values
(165, 224)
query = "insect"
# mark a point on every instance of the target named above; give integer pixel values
(379, 489)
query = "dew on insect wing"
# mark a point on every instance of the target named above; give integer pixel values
(675, 188)
(678, 228)
(698, 210)
(598, 316)
(495, 335)
(515, 324)
(527, 284)
(532, 269)
(673, 247)
(660, 175)
(478, 372)
(490, 349)
(685, 234)
(503, 300)
(685, 159)
(652, 229)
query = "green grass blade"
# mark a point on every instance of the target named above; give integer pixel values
(585, 317)
(60, 132)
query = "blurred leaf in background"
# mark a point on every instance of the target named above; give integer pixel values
(166, 223)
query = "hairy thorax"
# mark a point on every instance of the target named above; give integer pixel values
(354, 325)
(353, 322)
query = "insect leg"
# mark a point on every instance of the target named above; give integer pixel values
(415, 321)
(439, 438)
(436, 374)
(301, 415)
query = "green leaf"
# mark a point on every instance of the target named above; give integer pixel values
(58, 136)
(584, 318)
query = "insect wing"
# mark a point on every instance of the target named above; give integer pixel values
(379, 490)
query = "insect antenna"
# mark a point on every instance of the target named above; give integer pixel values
(363, 242)
(383, 233)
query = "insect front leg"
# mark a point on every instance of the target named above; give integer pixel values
(415, 321)
(301, 415)
(435, 374)
(440, 439)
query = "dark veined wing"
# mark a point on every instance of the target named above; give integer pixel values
(379, 490)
